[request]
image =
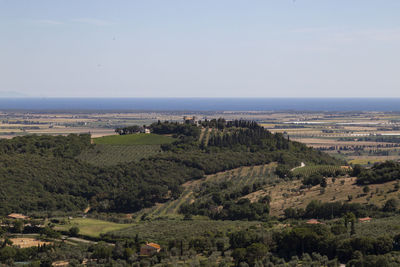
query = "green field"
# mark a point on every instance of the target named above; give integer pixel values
(92, 227)
(107, 155)
(134, 139)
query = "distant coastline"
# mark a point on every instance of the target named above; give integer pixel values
(203, 104)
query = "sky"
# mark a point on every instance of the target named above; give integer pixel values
(203, 48)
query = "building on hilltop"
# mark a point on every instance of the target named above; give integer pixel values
(149, 249)
(191, 120)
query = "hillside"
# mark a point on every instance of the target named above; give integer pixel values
(49, 173)
(235, 180)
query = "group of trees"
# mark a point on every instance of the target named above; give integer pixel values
(175, 128)
(379, 173)
(130, 130)
(241, 209)
(221, 124)
(45, 145)
(330, 210)
(256, 139)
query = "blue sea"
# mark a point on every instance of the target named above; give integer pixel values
(201, 104)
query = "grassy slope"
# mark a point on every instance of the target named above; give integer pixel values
(92, 227)
(134, 139)
(287, 194)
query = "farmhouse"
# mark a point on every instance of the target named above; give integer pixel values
(60, 263)
(17, 216)
(149, 249)
(366, 219)
(313, 221)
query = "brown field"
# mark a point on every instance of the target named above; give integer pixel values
(23, 242)
(288, 194)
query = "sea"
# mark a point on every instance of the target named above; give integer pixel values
(202, 104)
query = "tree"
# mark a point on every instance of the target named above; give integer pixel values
(7, 253)
(348, 218)
(73, 231)
(391, 205)
(357, 169)
(366, 189)
(256, 252)
(353, 228)
(239, 254)
(18, 226)
(102, 251)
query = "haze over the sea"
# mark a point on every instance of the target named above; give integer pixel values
(203, 104)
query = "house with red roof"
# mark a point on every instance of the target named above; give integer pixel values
(149, 249)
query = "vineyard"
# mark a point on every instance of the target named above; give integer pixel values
(162, 231)
(107, 155)
(239, 178)
(312, 169)
(134, 139)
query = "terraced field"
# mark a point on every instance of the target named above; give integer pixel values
(163, 230)
(108, 155)
(309, 170)
(134, 139)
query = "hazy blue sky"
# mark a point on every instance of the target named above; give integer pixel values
(204, 48)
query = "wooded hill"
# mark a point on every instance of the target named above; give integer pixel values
(43, 173)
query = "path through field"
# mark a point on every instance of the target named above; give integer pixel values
(239, 177)
(298, 167)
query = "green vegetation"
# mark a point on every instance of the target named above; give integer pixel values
(379, 173)
(164, 231)
(91, 227)
(134, 139)
(330, 210)
(108, 155)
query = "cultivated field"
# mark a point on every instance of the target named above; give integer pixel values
(134, 139)
(239, 178)
(26, 242)
(164, 230)
(91, 227)
(107, 155)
